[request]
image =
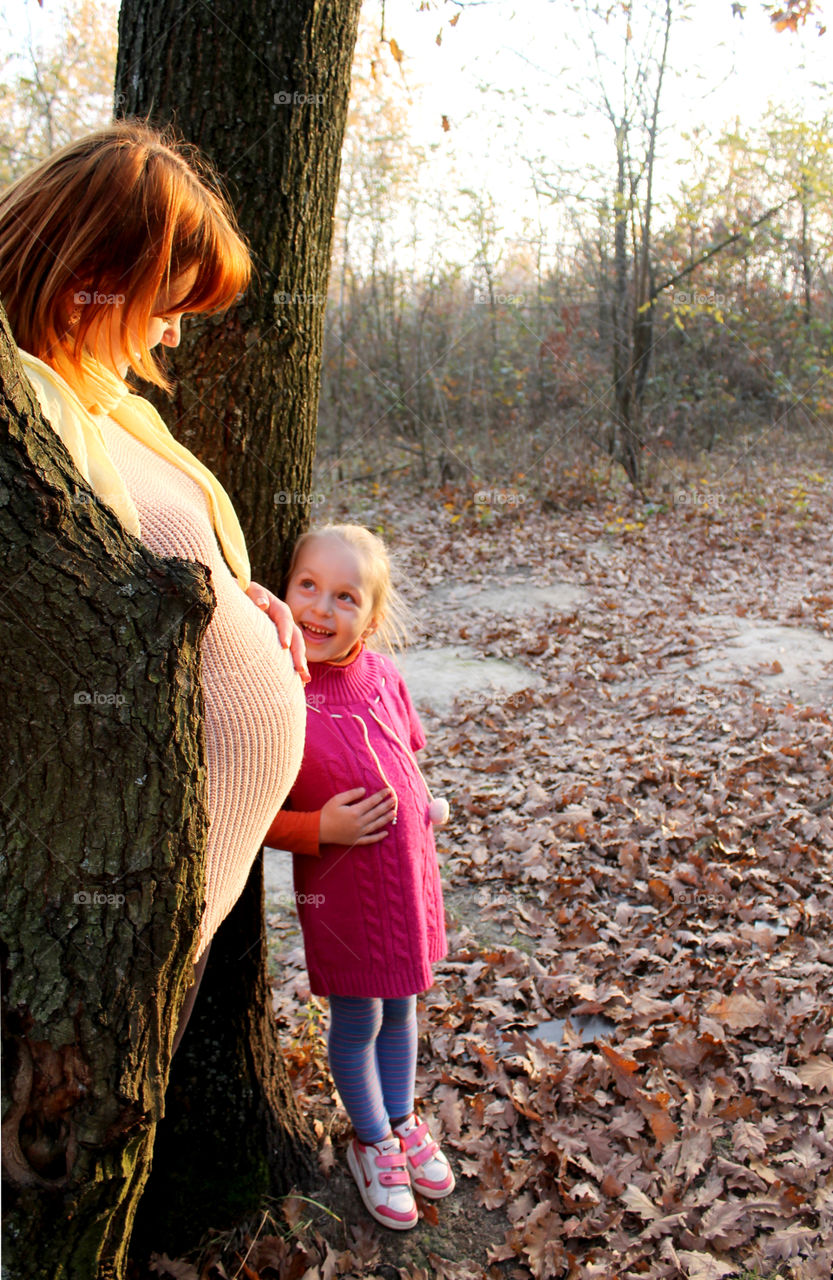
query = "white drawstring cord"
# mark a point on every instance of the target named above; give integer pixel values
(437, 808)
(382, 773)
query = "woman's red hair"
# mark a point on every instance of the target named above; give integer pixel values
(119, 215)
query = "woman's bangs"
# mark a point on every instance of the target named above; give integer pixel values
(222, 262)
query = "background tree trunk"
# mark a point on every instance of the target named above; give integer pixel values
(103, 827)
(261, 87)
(230, 1115)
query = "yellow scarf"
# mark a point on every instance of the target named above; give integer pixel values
(69, 401)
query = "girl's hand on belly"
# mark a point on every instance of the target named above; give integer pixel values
(289, 635)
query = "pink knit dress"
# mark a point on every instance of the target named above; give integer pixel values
(254, 703)
(372, 916)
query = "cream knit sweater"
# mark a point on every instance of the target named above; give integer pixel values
(255, 711)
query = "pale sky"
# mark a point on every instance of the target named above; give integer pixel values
(504, 41)
(532, 50)
(503, 76)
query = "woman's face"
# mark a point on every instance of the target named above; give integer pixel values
(164, 326)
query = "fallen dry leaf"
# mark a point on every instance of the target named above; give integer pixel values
(702, 1266)
(817, 1073)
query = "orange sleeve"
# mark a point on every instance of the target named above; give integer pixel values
(295, 832)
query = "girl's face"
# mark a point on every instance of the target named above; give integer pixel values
(329, 600)
(163, 327)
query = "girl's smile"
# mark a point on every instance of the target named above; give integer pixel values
(328, 599)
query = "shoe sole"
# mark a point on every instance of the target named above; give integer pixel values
(434, 1194)
(358, 1177)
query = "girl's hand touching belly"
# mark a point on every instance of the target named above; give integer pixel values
(289, 635)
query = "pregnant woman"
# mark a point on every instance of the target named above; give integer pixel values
(103, 248)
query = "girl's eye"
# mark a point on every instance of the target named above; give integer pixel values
(345, 595)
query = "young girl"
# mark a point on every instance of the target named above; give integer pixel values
(366, 878)
(103, 248)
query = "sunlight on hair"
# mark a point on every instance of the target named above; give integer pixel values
(103, 229)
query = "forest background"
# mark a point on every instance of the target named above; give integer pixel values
(562, 238)
(586, 317)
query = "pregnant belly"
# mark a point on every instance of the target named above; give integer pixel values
(254, 700)
(255, 715)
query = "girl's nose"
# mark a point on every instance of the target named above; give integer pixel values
(172, 333)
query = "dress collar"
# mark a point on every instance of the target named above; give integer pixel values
(357, 680)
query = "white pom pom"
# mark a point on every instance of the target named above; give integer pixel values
(438, 812)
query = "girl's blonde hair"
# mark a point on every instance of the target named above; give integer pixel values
(114, 219)
(388, 610)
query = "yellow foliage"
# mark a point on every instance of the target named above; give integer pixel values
(60, 88)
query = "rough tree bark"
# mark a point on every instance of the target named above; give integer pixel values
(103, 826)
(231, 1133)
(261, 87)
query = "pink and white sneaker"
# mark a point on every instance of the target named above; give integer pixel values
(430, 1171)
(382, 1178)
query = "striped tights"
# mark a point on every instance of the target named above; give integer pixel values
(372, 1047)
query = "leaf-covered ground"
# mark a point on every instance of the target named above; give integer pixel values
(627, 841)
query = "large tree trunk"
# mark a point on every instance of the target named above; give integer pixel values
(103, 827)
(261, 87)
(231, 1131)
